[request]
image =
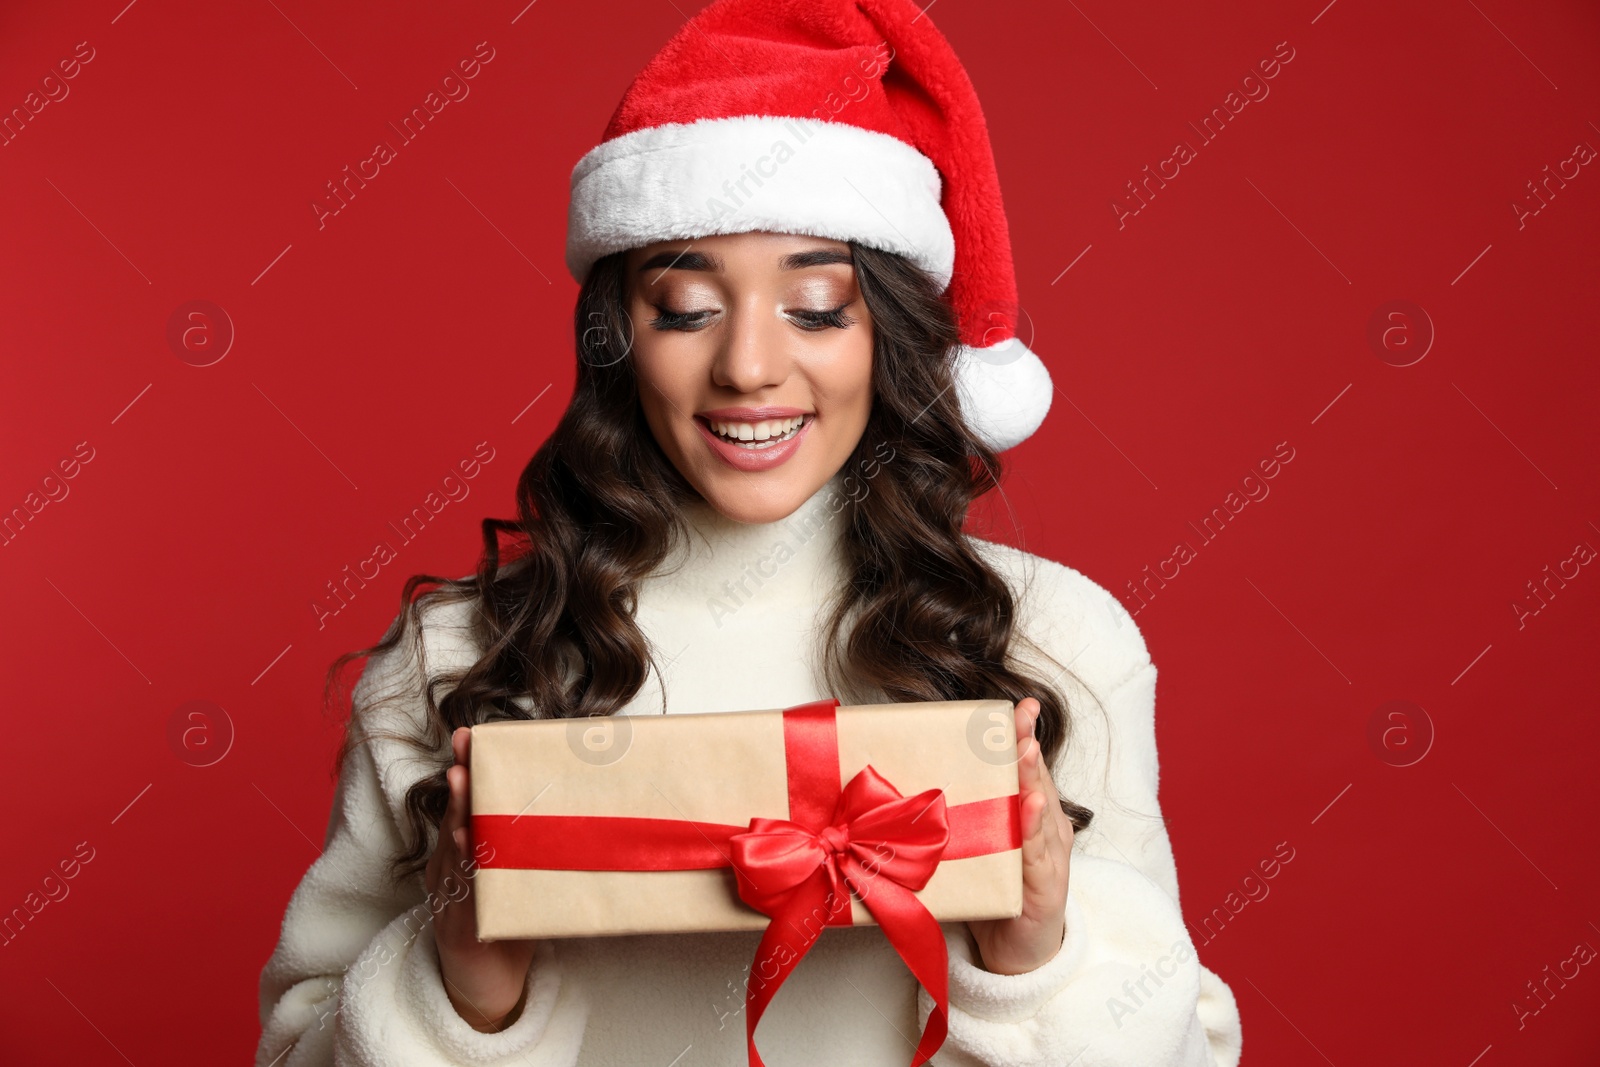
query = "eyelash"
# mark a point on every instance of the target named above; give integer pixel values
(690, 321)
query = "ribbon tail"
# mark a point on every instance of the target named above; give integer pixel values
(794, 928)
(918, 938)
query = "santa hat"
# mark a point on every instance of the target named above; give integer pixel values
(846, 119)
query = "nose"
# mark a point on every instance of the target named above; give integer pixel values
(751, 353)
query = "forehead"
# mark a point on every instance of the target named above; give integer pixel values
(723, 252)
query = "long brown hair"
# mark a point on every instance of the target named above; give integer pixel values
(922, 615)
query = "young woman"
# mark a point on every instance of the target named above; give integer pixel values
(786, 402)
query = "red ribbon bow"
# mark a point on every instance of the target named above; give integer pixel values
(879, 844)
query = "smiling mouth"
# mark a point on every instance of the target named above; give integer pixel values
(757, 436)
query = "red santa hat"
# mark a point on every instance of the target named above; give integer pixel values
(846, 119)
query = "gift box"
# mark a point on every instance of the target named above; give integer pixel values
(787, 820)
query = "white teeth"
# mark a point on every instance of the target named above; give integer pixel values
(757, 431)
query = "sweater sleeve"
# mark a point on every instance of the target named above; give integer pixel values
(354, 979)
(1127, 988)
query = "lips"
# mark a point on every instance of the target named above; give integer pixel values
(744, 456)
(770, 411)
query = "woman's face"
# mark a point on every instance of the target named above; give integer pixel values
(754, 358)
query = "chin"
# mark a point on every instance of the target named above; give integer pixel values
(759, 498)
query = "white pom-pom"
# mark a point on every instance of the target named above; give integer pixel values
(1005, 392)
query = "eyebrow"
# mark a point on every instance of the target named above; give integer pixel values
(692, 260)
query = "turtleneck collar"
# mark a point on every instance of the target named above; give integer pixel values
(723, 564)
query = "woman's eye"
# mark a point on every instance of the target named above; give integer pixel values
(667, 319)
(833, 318)
(822, 320)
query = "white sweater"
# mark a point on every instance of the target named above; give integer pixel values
(354, 979)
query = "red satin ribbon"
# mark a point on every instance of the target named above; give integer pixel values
(865, 838)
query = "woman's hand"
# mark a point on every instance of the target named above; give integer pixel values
(1014, 946)
(485, 980)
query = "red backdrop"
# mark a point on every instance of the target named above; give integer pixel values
(181, 520)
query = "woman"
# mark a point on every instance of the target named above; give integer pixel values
(787, 400)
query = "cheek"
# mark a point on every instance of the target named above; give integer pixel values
(841, 367)
(665, 375)
(842, 385)
(855, 374)
(654, 387)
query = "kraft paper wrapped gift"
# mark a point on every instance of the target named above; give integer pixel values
(670, 823)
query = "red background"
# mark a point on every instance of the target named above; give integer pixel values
(1227, 316)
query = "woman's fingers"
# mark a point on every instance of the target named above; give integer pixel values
(1026, 712)
(455, 813)
(1036, 851)
(1027, 720)
(1031, 776)
(450, 878)
(1044, 849)
(454, 839)
(1034, 816)
(444, 851)
(1028, 716)
(1023, 943)
(1046, 829)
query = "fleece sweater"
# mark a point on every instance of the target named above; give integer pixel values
(733, 617)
